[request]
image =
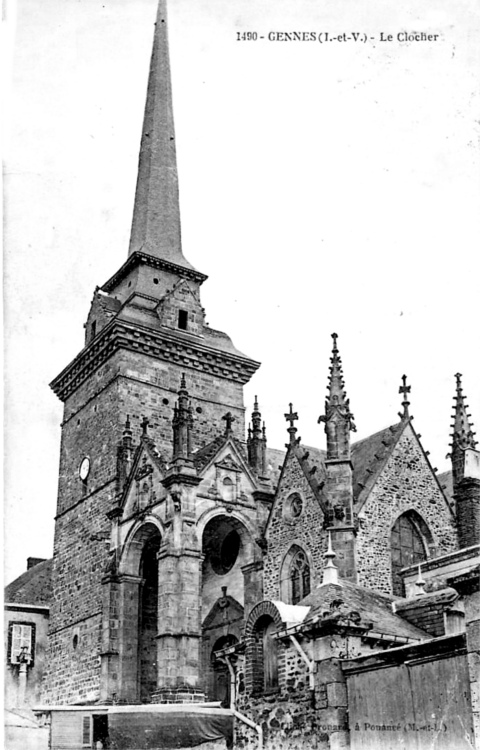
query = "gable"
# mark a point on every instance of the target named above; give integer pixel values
(404, 483)
(296, 518)
(225, 471)
(181, 309)
(225, 611)
(144, 484)
(102, 310)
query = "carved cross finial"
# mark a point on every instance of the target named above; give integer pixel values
(405, 389)
(145, 424)
(229, 419)
(291, 418)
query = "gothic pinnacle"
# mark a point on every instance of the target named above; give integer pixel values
(337, 405)
(182, 424)
(463, 434)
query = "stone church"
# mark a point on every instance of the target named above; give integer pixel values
(207, 589)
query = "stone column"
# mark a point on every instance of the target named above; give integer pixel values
(179, 596)
(128, 603)
(110, 632)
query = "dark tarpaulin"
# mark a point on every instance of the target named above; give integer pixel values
(178, 728)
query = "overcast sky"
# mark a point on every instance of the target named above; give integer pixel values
(323, 187)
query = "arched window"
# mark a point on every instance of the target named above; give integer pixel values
(299, 576)
(266, 654)
(410, 541)
(295, 575)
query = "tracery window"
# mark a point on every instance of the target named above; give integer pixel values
(409, 540)
(299, 576)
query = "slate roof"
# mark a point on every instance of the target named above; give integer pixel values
(369, 454)
(441, 599)
(275, 459)
(427, 610)
(446, 482)
(32, 587)
(204, 455)
(332, 600)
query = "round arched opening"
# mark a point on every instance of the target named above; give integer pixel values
(222, 544)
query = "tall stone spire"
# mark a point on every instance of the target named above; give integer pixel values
(156, 213)
(463, 435)
(338, 418)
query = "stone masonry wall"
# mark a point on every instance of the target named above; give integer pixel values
(406, 483)
(293, 718)
(467, 496)
(72, 670)
(286, 716)
(134, 384)
(282, 532)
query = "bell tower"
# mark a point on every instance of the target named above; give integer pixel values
(146, 327)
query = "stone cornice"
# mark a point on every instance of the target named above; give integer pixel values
(162, 344)
(138, 257)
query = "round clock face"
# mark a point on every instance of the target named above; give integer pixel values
(84, 468)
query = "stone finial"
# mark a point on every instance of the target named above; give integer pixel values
(291, 417)
(182, 425)
(229, 420)
(338, 418)
(144, 425)
(257, 441)
(420, 583)
(463, 434)
(330, 571)
(405, 390)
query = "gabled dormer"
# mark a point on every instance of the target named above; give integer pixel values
(181, 309)
(224, 470)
